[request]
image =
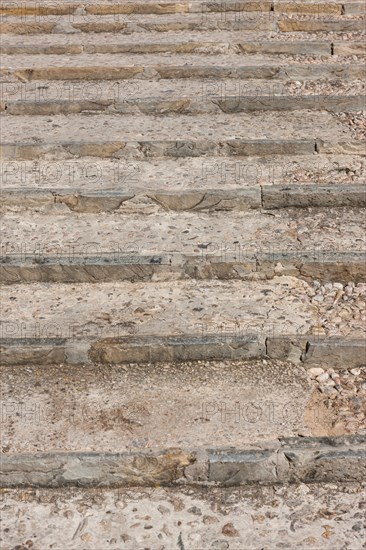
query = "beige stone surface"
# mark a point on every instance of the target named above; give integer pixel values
(141, 407)
(299, 516)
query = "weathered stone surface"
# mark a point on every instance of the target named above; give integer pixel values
(160, 106)
(242, 147)
(36, 9)
(187, 348)
(40, 49)
(313, 72)
(297, 8)
(241, 199)
(325, 268)
(137, 8)
(84, 272)
(25, 352)
(349, 48)
(326, 465)
(291, 25)
(230, 468)
(94, 469)
(169, 71)
(98, 202)
(354, 8)
(333, 104)
(341, 147)
(304, 196)
(288, 460)
(64, 150)
(339, 268)
(289, 349)
(309, 460)
(77, 73)
(55, 107)
(172, 149)
(338, 353)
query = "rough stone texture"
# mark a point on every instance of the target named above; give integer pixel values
(270, 48)
(23, 352)
(323, 460)
(332, 267)
(137, 407)
(160, 106)
(313, 195)
(160, 53)
(87, 469)
(189, 348)
(338, 353)
(299, 516)
(295, 461)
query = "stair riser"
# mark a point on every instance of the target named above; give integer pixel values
(290, 72)
(161, 107)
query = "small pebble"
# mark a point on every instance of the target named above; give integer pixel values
(323, 377)
(355, 372)
(315, 371)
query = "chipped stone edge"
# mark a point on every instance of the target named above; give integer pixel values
(253, 197)
(282, 461)
(309, 351)
(306, 265)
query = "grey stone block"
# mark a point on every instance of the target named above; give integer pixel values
(304, 196)
(185, 348)
(336, 353)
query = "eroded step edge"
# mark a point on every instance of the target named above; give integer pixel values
(310, 351)
(267, 196)
(178, 149)
(287, 460)
(160, 106)
(307, 265)
(157, 72)
(265, 24)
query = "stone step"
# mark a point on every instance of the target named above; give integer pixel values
(164, 8)
(200, 43)
(140, 150)
(99, 66)
(101, 93)
(311, 352)
(196, 515)
(128, 399)
(186, 105)
(89, 175)
(87, 313)
(309, 265)
(109, 44)
(229, 21)
(136, 201)
(271, 133)
(40, 238)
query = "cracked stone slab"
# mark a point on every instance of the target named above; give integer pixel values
(339, 353)
(88, 469)
(319, 351)
(320, 461)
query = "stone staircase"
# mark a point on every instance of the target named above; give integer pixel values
(183, 248)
